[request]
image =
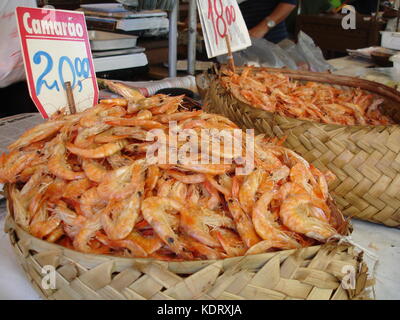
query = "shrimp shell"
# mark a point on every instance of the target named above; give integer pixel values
(102, 151)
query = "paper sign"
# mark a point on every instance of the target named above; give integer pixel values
(56, 49)
(220, 18)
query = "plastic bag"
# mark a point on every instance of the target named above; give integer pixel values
(262, 53)
(292, 50)
(304, 55)
(312, 54)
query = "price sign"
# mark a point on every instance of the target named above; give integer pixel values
(221, 18)
(56, 50)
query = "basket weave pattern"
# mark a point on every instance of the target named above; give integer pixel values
(309, 273)
(366, 160)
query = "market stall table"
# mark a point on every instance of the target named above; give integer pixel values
(381, 242)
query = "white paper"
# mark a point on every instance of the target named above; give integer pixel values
(219, 19)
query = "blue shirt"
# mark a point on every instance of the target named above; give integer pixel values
(254, 11)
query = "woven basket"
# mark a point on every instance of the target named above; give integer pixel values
(310, 273)
(365, 159)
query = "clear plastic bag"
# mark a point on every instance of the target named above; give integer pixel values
(262, 53)
(292, 50)
(304, 55)
(312, 54)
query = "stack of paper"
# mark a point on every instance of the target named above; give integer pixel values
(113, 16)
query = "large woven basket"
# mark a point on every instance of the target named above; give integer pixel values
(317, 272)
(365, 159)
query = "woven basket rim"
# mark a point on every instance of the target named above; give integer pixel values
(10, 223)
(252, 264)
(88, 280)
(209, 77)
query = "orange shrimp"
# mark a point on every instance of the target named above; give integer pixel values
(133, 133)
(115, 102)
(93, 170)
(186, 178)
(86, 232)
(193, 194)
(147, 124)
(213, 169)
(230, 241)
(124, 215)
(214, 199)
(120, 183)
(89, 200)
(178, 191)
(196, 221)
(201, 249)
(86, 136)
(134, 249)
(268, 228)
(243, 223)
(58, 165)
(144, 115)
(101, 151)
(55, 235)
(152, 176)
(42, 225)
(154, 211)
(295, 214)
(37, 133)
(150, 244)
(168, 105)
(249, 189)
(225, 191)
(21, 214)
(14, 163)
(179, 116)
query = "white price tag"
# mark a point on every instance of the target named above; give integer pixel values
(56, 50)
(221, 18)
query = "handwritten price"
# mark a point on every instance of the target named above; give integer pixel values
(221, 18)
(78, 67)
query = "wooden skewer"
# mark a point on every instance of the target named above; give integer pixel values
(70, 97)
(230, 55)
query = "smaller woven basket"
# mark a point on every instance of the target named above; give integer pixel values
(365, 159)
(318, 273)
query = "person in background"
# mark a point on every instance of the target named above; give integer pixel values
(365, 6)
(308, 7)
(315, 6)
(335, 3)
(266, 18)
(13, 87)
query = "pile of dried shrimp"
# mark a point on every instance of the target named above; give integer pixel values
(275, 92)
(83, 181)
